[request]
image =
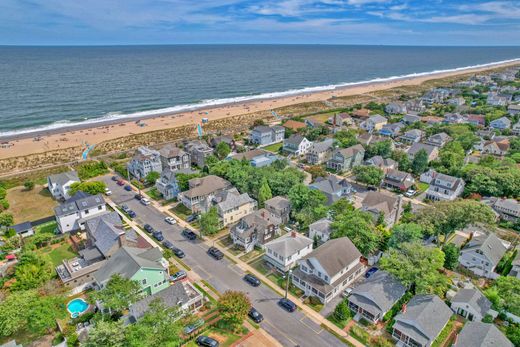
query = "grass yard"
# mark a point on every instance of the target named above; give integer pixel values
(46, 228)
(58, 253)
(339, 323)
(422, 187)
(181, 211)
(255, 253)
(260, 266)
(154, 194)
(275, 147)
(224, 337)
(30, 205)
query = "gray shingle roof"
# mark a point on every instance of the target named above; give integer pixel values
(278, 202)
(322, 225)
(289, 244)
(474, 298)
(80, 201)
(232, 198)
(64, 177)
(106, 230)
(174, 295)
(295, 139)
(377, 118)
(416, 147)
(378, 294)
(205, 186)
(322, 146)
(22, 227)
(127, 261)
(376, 201)
(334, 255)
(509, 204)
(489, 244)
(478, 334)
(424, 319)
(351, 151)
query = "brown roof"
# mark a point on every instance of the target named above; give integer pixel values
(334, 255)
(362, 113)
(503, 144)
(170, 151)
(205, 186)
(351, 151)
(379, 201)
(432, 119)
(294, 125)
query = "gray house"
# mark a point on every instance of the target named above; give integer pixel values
(412, 136)
(263, 135)
(378, 203)
(345, 159)
(421, 321)
(482, 254)
(373, 298)
(198, 151)
(174, 158)
(477, 334)
(168, 185)
(59, 184)
(255, 229)
(438, 140)
(321, 229)
(320, 152)
(144, 161)
(280, 207)
(333, 188)
(471, 304)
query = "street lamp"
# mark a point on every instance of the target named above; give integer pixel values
(289, 273)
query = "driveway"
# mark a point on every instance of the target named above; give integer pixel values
(290, 329)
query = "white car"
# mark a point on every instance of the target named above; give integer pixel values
(410, 193)
(145, 201)
(108, 191)
(170, 220)
(346, 292)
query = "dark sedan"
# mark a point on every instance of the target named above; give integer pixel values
(287, 305)
(252, 280)
(256, 316)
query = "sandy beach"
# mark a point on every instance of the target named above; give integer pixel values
(97, 133)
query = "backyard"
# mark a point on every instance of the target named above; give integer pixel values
(30, 205)
(275, 147)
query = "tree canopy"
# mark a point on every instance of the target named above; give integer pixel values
(106, 333)
(403, 233)
(89, 187)
(382, 148)
(233, 307)
(222, 150)
(152, 177)
(118, 294)
(420, 162)
(370, 175)
(505, 294)
(32, 270)
(359, 227)
(346, 138)
(209, 222)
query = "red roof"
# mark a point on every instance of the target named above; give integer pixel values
(10, 257)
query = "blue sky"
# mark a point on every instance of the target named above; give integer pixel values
(395, 22)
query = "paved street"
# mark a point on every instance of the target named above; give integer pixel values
(290, 329)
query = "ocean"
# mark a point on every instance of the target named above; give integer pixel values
(52, 87)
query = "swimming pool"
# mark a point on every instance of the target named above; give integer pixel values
(77, 307)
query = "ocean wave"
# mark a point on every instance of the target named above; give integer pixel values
(116, 115)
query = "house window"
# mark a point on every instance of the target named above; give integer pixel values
(86, 211)
(100, 208)
(144, 281)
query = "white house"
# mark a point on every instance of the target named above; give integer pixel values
(320, 230)
(482, 254)
(285, 251)
(471, 304)
(73, 213)
(516, 128)
(59, 184)
(296, 145)
(444, 187)
(144, 161)
(374, 123)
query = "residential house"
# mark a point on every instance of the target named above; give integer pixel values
(333, 188)
(486, 134)
(436, 96)
(280, 207)
(378, 203)
(460, 101)
(471, 304)
(398, 180)
(168, 185)
(339, 120)
(74, 212)
(444, 187)
(144, 161)
(421, 321)
(320, 230)
(431, 151)
(432, 120)
(146, 266)
(370, 139)
(438, 140)
(285, 251)
(263, 135)
(215, 141)
(296, 145)
(477, 120)
(412, 136)
(384, 164)
(198, 151)
(174, 158)
(24, 229)
(59, 184)
(498, 146)
(373, 298)
(516, 128)
(513, 109)
(454, 118)
(392, 129)
(320, 152)
(257, 157)
(478, 334)
(329, 269)
(395, 108)
(362, 113)
(500, 123)
(294, 125)
(201, 191)
(508, 209)
(232, 206)
(374, 123)
(344, 159)
(410, 119)
(515, 270)
(416, 105)
(315, 122)
(482, 254)
(180, 294)
(494, 99)
(255, 229)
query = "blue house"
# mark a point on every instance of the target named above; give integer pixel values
(500, 123)
(391, 130)
(168, 185)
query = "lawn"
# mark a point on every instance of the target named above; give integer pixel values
(275, 147)
(277, 278)
(181, 211)
(30, 205)
(339, 323)
(46, 228)
(259, 265)
(422, 187)
(252, 255)
(154, 194)
(59, 253)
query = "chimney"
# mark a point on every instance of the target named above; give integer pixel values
(293, 234)
(403, 308)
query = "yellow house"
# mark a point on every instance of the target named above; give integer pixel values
(231, 206)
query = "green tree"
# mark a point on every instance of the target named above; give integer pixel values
(308, 205)
(32, 271)
(222, 150)
(106, 334)
(316, 171)
(402, 159)
(451, 256)
(264, 193)
(233, 307)
(346, 138)
(183, 180)
(358, 226)
(505, 294)
(6, 219)
(451, 158)
(89, 187)
(382, 148)
(403, 233)
(420, 162)
(118, 294)
(28, 185)
(417, 266)
(209, 222)
(152, 177)
(341, 311)
(513, 334)
(370, 175)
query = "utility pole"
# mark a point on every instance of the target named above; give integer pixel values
(287, 282)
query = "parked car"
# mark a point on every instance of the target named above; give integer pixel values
(148, 228)
(120, 183)
(145, 201)
(215, 253)
(256, 316)
(108, 192)
(179, 275)
(190, 235)
(158, 235)
(125, 208)
(128, 188)
(138, 196)
(170, 220)
(370, 272)
(167, 244)
(252, 280)
(410, 192)
(191, 218)
(206, 341)
(178, 253)
(346, 292)
(194, 326)
(372, 188)
(132, 214)
(287, 304)
(115, 178)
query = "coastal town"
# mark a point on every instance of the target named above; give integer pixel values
(388, 221)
